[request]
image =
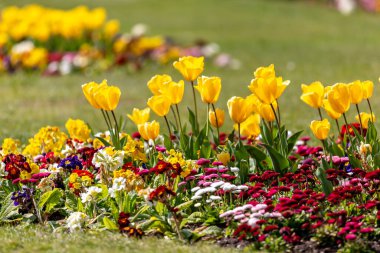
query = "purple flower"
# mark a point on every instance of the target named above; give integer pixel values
(71, 163)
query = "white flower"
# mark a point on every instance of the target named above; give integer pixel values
(196, 197)
(3, 173)
(195, 189)
(90, 194)
(197, 205)
(76, 221)
(242, 187)
(22, 47)
(252, 222)
(217, 184)
(119, 184)
(108, 158)
(213, 197)
(235, 169)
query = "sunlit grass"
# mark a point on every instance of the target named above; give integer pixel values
(306, 42)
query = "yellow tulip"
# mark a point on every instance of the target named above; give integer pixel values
(313, 94)
(173, 91)
(108, 97)
(254, 102)
(219, 116)
(160, 105)
(156, 83)
(367, 89)
(209, 88)
(89, 89)
(238, 109)
(266, 111)
(268, 89)
(139, 116)
(149, 130)
(356, 91)
(365, 118)
(330, 111)
(265, 72)
(190, 67)
(320, 128)
(339, 98)
(251, 127)
(111, 28)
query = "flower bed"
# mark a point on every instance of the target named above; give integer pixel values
(259, 186)
(58, 42)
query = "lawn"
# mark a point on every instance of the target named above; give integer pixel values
(39, 239)
(306, 42)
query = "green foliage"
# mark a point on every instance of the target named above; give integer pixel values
(50, 199)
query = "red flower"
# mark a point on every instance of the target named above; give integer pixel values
(160, 193)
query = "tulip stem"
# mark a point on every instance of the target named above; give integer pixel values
(275, 115)
(175, 117)
(167, 124)
(105, 118)
(360, 119)
(216, 120)
(207, 121)
(239, 131)
(337, 125)
(279, 115)
(179, 117)
(370, 109)
(347, 128)
(195, 107)
(116, 124)
(320, 113)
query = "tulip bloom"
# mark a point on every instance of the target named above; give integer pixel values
(209, 88)
(268, 89)
(320, 128)
(330, 111)
(313, 94)
(149, 130)
(159, 104)
(190, 67)
(339, 98)
(266, 112)
(108, 97)
(89, 89)
(367, 87)
(356, 92)
(265, 72)
(365, 117)
(139, 116)
(156, 83)
(219, 115)
(238, 109)
(251, 127)
(173, 91)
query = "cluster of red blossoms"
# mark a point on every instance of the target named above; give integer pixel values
(126, 228)
(14, 165)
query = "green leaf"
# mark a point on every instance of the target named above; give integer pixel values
(206, 150)
(106, 143)
(109, 224)
(256, 153)
(168, 142)
(8, 209)
(292, 141)
(184, 205)
(266, 134)
(193, 121)
(243, 171)
(376, 160)
(50, 199)
(355, 163)
(327, 187)
(371, 136)
(280, 163)
(71, 201)
(336, 150)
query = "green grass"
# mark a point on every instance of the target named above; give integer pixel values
(40, 239)
(306, 42)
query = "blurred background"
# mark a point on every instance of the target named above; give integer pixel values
(329, 41)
